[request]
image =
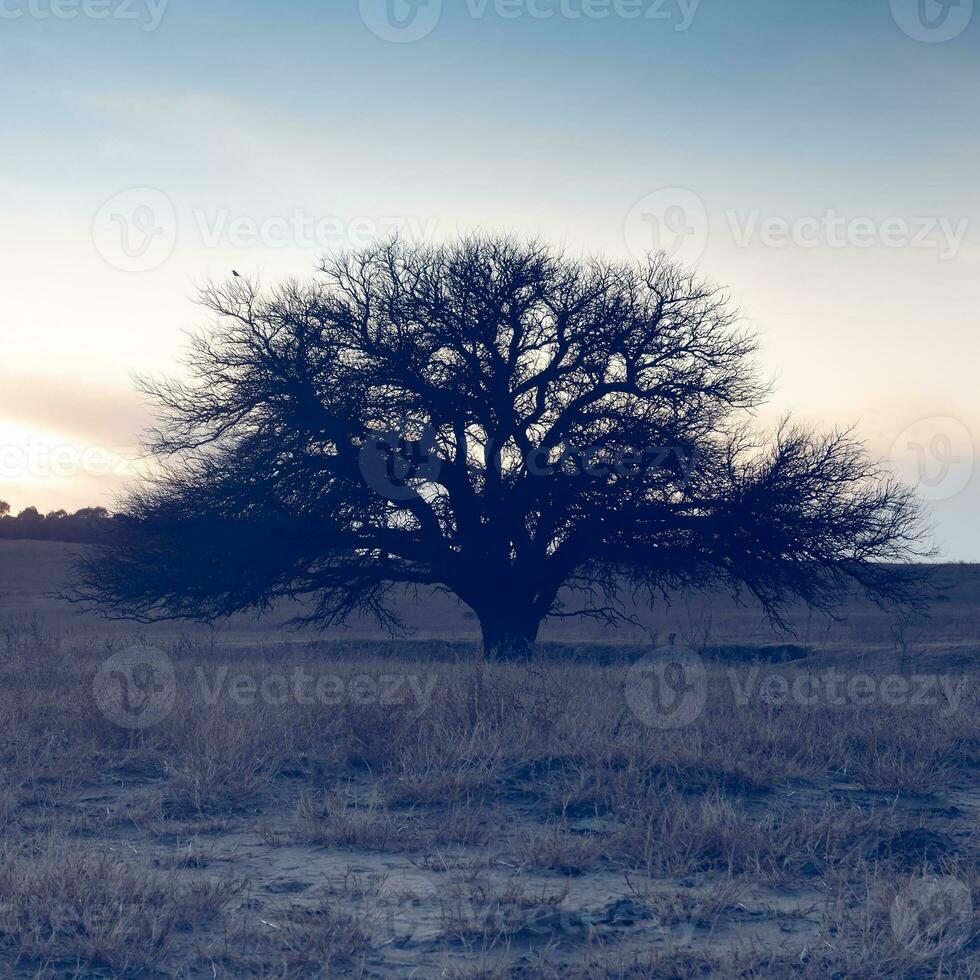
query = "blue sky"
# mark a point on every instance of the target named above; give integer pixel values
(762, 130)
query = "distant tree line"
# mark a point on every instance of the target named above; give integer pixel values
(58, 525)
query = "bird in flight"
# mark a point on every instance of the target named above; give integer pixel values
(234, 272)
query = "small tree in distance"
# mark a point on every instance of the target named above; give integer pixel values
(532, 434)
(4, 508)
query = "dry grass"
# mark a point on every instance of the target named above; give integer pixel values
(528, 801)
(80, 908)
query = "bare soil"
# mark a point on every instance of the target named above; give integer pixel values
(279, 805)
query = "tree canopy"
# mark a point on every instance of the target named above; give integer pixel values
(83, 525)
(534, 434)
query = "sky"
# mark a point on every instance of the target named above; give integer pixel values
(818, 160)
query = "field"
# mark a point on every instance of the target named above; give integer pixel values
(697, 798)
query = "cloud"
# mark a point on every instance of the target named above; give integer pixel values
(96, 415)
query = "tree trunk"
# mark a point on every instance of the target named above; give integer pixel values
(508, 636)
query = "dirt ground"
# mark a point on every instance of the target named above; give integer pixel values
(185, 805)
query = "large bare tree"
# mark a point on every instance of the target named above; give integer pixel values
(530, 433)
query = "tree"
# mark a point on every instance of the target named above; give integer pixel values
(4, 508)
(533, 434)
(83, 526)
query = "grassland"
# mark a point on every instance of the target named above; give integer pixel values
(265, 803)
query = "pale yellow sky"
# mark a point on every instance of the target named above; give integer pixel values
(820, 163)
(843, 342)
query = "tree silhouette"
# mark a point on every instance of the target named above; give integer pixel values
(536, 435)
(58, 525)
